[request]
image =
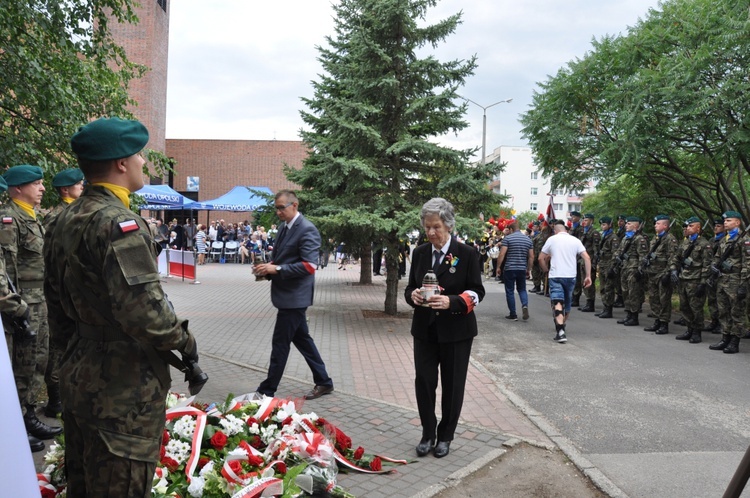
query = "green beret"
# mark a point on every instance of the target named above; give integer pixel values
(109, 138)
(719, 221)
(23, 174)
(728, 214)
(589, 216)
(536, 223)
(605, 219)
(622, 217)
(67, 177)
(692, 219)
(660, 217)
(575, 213)
(634, 218)
(3, 185)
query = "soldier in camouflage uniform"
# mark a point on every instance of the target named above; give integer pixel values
(713, 308)
(633, 248)
(22, 240)
(69, 186)
(620, 233)
(732, 267)
(536, 270)
(605, 258)
(576, 230)
(695, 257)
(590, 239)
(106, 301)
(661, 269)
(681, 320)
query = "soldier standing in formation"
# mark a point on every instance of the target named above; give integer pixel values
(605, 259)
(695, 256)
(576, 230)
(661, 268)
(633, 248)
(713, 308)
(620, 233)
(731, 267)
(590, 239)
(536, 270)
(22, 241)
(106, 301)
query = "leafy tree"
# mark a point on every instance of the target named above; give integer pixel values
(664, 108)
(373, 120)
(60, 68)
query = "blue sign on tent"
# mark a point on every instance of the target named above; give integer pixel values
(238, 199)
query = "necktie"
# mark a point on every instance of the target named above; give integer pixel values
(436, 265)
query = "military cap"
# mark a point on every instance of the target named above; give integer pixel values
(589, 216)
(622, 217)
(634, 218)
(536, 223)
(109, 138)
(719, 221)
(3, 185)
(660, 217)
(575, 213)
(67, 177)
(22, 174)
(692, 219)
(605, 219)
(685, 224)
(732, 214)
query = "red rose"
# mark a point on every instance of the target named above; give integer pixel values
(251, 421)
(358, 453)
(170, 463)
(236, 466)
(287, 421)
(162, 452)
(254, 460)
(376, 464)
(202, 461)
(165, 437)
(48, 493)
(343, 442)
(219, 440)
(256, 442)
(281, 468)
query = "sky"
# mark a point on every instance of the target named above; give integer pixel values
(238, 68)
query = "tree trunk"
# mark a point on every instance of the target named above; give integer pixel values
(391, 280)
(365, 266)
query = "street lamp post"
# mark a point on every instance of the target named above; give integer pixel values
(484, 121)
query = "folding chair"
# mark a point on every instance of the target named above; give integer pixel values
(217, 248)
(231, 249)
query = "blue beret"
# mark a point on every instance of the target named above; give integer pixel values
(22, 174)
(575, 213)
(660, 217)
(67, 177)
(109, 138)
(634, 218)
(732, 214)
(692, 219)
(3, 185)
(605, 219)
(589, 216)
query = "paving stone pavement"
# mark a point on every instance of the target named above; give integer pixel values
(369, 359)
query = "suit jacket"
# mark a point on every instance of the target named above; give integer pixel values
(296, 251)
(456, 323)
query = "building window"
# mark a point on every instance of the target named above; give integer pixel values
(557, 207)
(534, 191)
(559, 191)
(534, 175)
(162, 4)
(532, 207)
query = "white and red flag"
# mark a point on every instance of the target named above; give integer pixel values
(550, 215)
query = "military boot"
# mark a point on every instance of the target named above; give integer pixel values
(711, 327)
(627, 317)
(734, 345)
(680, 321)
(696, 338)
(606, 312)
(632, 320)
(685, 336)
(654, 327)
(663, 328)
(54, 406)
(37, 428)
(536, 289)
(589, 306)
(576, 301)
(723, 343)
(35, 444)
(619, 303)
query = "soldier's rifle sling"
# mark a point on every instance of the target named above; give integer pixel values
(725, 255)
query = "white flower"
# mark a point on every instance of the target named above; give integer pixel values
(237, 452)
(268, 434)
(207, 469)
(185, 427)
(178, 450)
(232, 425)
(254, 429)
(196, 486)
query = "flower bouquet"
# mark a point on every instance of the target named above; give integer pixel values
(249, 446)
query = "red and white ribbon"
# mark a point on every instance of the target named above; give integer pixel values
(200, 426)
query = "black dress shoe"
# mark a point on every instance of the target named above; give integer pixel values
(442, 449)
(319, 391)
(425, 446)
(37, 428)
(36, 444)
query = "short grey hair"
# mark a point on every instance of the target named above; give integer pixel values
(442, 208)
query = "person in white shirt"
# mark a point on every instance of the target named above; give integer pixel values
(559, 257)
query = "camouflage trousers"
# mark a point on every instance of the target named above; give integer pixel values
(632, 289)
(660, 296)
(618, 283)
(536, 274)
(732, 310)
(713, 305)
(691, 306)
(29, 358)
(590, 291)
(607, 286)
(93, 471)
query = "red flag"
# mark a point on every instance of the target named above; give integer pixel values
(550, 215)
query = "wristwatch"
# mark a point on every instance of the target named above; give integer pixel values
(278, 269)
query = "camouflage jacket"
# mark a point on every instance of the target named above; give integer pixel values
(54, 213)
(105, 301)
(695, 259)
(591, 241)
(11, 303)
(663, 255)
(633, 252)
(22, 240)
(607, 250)
(738, 260)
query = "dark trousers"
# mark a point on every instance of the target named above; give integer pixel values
(515, 280)
(377, 260)
(291, 328)
(452, 358)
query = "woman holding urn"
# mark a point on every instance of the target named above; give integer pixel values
(444, 325)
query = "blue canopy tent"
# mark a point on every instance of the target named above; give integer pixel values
(163, 197)
(238, 199)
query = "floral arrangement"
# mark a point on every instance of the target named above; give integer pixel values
(248, 447)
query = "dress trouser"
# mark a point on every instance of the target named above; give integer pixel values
(452, 358)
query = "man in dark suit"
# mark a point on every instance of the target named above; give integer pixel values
(443, 326)
(292, 273)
